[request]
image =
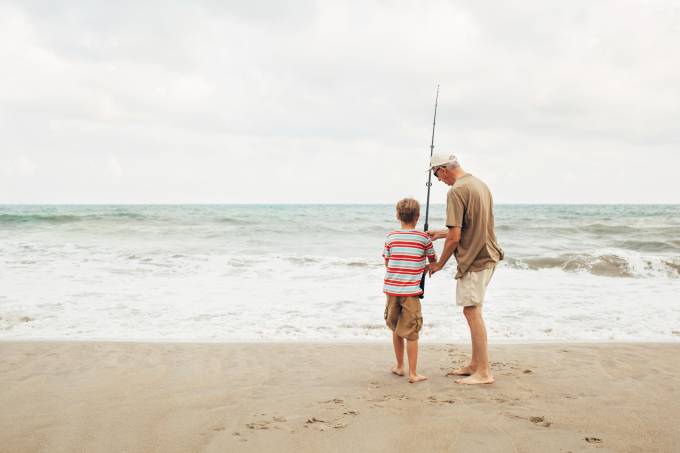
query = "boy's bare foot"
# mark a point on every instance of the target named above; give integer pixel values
(416, 378)
(398, 371)
(465, 371)
(476, 379)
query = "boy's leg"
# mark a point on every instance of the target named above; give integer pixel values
(408, 327)
(392, 314)
(398, 342)
(412, 352)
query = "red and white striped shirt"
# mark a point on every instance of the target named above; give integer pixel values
(406, 251)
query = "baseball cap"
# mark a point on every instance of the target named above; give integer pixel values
(441, 158)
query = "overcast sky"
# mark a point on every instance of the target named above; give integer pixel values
(330, 101)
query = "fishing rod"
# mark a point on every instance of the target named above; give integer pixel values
(429, 184)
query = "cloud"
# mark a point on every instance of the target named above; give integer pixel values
(17, 167)
(338, 96)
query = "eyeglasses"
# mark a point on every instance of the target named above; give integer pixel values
(435, 170)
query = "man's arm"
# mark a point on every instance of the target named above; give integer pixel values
(437, 234)
(452, 240)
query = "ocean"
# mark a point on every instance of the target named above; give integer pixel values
(314, 273)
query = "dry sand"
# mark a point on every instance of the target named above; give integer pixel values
(168, 397)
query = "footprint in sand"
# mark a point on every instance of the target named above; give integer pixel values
(258, 425)
(272, 423)
(504, 365)
(593, 440)
(333, 401)
(319, 424)
(434, 400)
(505, 399)
(239, 437)
(377, 401)
(332, 419)
(338, 403)
(540, 421)
(536, 420)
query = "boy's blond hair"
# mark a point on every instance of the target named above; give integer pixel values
(408, 210)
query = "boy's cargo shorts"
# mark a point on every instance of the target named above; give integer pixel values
(471, 287)
(403, 316)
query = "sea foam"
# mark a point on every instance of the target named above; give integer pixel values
(272, 273)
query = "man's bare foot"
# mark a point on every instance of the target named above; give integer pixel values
(476, 379)
(398, 371)
(416, 378)
(465, 371)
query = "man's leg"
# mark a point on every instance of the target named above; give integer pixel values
(472, 366)
(399, 353)
(412, 352)
(480, 356)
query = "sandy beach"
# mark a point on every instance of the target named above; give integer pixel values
(189, 397)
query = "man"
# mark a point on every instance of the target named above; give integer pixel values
(471, 238)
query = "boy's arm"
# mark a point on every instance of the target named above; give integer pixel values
(386, 252)
(429, 251)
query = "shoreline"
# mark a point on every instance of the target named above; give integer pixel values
(304, 397)
(370, 342)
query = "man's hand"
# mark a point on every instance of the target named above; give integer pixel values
(437, 234)
(434, 267)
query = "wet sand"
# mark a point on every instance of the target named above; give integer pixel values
(287, 397)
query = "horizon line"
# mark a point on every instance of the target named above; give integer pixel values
(319, 203)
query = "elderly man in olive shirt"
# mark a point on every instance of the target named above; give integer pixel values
(471, 238)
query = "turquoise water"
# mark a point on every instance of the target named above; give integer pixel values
(572, 237)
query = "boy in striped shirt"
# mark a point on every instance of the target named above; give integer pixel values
(405, 252)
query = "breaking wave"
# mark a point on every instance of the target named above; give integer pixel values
(606, 264)
(56, 219)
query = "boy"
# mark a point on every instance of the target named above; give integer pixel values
(405, 251)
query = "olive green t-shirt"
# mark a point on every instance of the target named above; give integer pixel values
(469, 205)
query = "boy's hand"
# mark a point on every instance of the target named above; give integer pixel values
(432, 268)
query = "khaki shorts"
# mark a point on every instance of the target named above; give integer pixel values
(470, 289)
(403, 316)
